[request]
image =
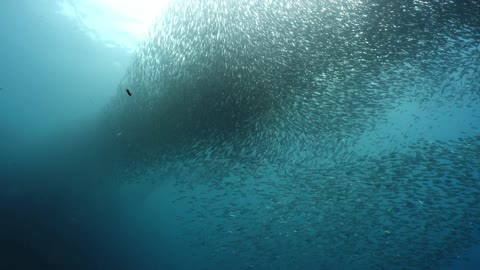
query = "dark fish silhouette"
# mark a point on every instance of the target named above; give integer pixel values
(128, 92)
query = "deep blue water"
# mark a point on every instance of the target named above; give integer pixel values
(381, 165)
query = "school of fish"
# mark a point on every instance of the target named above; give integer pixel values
(272, 119)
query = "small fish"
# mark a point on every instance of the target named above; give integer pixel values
(128, 92)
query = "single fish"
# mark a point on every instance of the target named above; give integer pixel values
(128, 92)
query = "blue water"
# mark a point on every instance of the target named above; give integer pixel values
(91, 179)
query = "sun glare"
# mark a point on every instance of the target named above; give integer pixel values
(121, 23)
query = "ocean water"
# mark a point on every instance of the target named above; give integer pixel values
(257, 134)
